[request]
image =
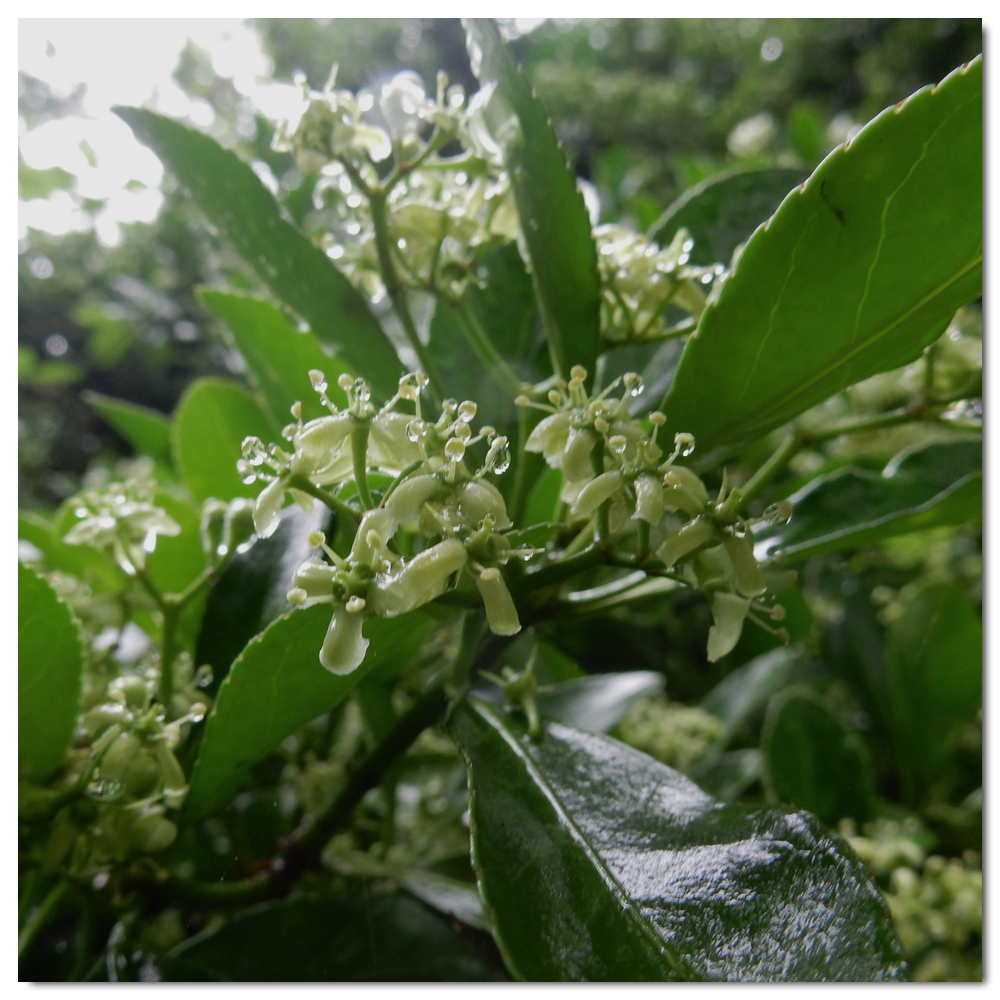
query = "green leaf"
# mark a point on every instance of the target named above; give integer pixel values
(746, 690)
(859, 269)
(278, 356)
(277, 685)
(49, 664)
(814, 761)
(920, 488)
(212, 419)
(597, 702)
(934, 656)
(177, 560)
(299, 273)
(554, 220)
(148, 431)
(250, 592)
(597, 863)
(364, 938)
(723, 211)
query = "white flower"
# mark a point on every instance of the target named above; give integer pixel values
(729, 611)
(344, 647)
(267, 508)
(500, 611)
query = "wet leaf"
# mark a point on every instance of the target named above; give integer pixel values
(49, 664)
(859, 269)
(299, 273)
(723, 211)
(277, 685)
(938, 484)
(554, 220)
(597, 863)
(148, 431)
(814, 761)
(212, 419)
(367, 938)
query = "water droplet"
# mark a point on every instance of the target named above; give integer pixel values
(637, 386)
(498, 460)
(688, 246)
(204, 675)
(414, 430)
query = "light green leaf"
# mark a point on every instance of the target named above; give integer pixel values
(278, 356)
(177, 559)
(277, 685)
(49, 663)
(212, 419)
(723, 211)
(934, 656)
(859, 269)
(553, 216)
(597, 863)
(597, 702)
(814, 761)
(941, 483)
(235, 201)
(148, 431)
(87, 563)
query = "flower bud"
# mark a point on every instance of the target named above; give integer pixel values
(500, 611)
(747, 575)
(151, 832)
(648, 499)
(728, 610)
(685, 540)
(596, 492)
(130, 765)
(344, 647)
(478, 498)
(213, 516)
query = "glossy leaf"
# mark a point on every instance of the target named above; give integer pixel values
(814, 761)
(278, 356)
(859, 269)
(596, 862)
(148, 431)
(251, 589)
(277, 685)
(597, 702)
(49, 665)
(938, 484)
(722, 211)
(934, 656)
(554, 219)
(299, 273)
(362, 938)
(212, 419)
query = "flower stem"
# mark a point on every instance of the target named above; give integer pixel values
(48, 908)
(499, 370)
(359, 452)
(300, 482)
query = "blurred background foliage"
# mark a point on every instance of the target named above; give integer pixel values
(645, 110)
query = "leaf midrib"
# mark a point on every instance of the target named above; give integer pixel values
(660, 945)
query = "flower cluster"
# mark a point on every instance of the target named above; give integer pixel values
(639, 280)
(120, 518)
(606, 457)
(456, 515)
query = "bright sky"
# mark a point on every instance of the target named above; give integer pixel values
(125, 62)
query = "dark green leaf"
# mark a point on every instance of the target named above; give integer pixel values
(365, 938)
(596, 702)
(553, 216)
(251, 589)
(814, 761)
(934, 655)
(212, 419)
(278, 356)
(276, 685)
(148, 431)
(938, 484)
(595, 862)
(49, 662)
(722, 211)
(299, 273)
(859, 269)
